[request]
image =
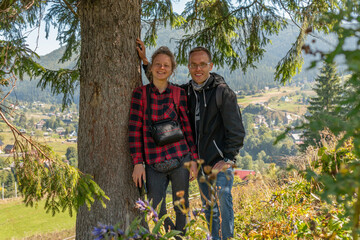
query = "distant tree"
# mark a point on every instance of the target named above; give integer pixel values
(261, 155)
(3, 162)
(71, 153)
(31, 123)
(50, 123)
(328, 90)
(277, 121)
(69, 129)
(248, 162)
(22, 121)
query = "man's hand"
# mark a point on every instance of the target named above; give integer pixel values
(138, 174)
(142, 51)
(193, 171)
(221, 166)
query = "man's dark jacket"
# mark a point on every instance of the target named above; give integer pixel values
(220, 133)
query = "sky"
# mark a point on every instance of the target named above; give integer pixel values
(43, 46)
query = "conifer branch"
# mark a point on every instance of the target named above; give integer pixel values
(15, 130)
(71, 8)
(13, 86)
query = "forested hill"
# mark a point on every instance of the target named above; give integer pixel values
(254, 79)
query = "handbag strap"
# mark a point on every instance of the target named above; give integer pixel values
(148, 102)
(176, 98)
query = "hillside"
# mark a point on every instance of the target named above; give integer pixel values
(252, 80)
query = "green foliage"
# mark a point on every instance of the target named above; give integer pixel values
(41, 175)
(235, 33)
(328, 99)
(66, 83)
(259, 147)
(291, 212)
(8, 179)
(156, 13)
(344, 184)
(71, 153)
(136, 230)
(337, 172)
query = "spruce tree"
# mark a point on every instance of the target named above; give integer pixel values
(328, 97)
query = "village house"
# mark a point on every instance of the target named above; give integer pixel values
(72, 140)
(40, 124)
(297, 138)
(259, 119)
(285, 99)
(73, 134)
(9, 149)
(60, 130)
(243, 174)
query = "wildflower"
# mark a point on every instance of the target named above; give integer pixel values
(187, 165)
(207, 169)
(153, 214)
(212, 176)
(208, 236)
(103, 231)
(196, 212)
(202, 179)
(120, 232)
(200, 161)
(180, 193)
(141, 205)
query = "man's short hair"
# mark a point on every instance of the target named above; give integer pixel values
(199, 49)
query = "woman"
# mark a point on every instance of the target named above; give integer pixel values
(146, 153)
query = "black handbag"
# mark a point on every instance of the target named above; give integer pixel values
(165, 131)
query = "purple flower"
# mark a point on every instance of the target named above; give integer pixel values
(145, 207)
(120, 232)
(102, 231)
(153, 214)
(141, 205)
(208, 236)
(196, 212)
(99, 231)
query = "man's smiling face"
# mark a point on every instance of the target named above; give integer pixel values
(199, 66)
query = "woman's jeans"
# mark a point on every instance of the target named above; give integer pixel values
(224, 183)
(157, 183)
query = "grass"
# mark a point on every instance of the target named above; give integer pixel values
(18, 221)
(264, 97)
(59, 147)
(292, 107)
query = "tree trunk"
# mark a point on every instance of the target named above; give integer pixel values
(110, 70)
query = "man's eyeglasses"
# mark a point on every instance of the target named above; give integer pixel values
(201, 65)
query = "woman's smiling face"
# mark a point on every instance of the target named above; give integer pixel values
(161, 67)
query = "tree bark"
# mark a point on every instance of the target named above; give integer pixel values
(110, 70)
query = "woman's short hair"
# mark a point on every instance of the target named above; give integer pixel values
(166, 51)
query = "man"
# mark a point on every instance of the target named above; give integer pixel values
(219, 134)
